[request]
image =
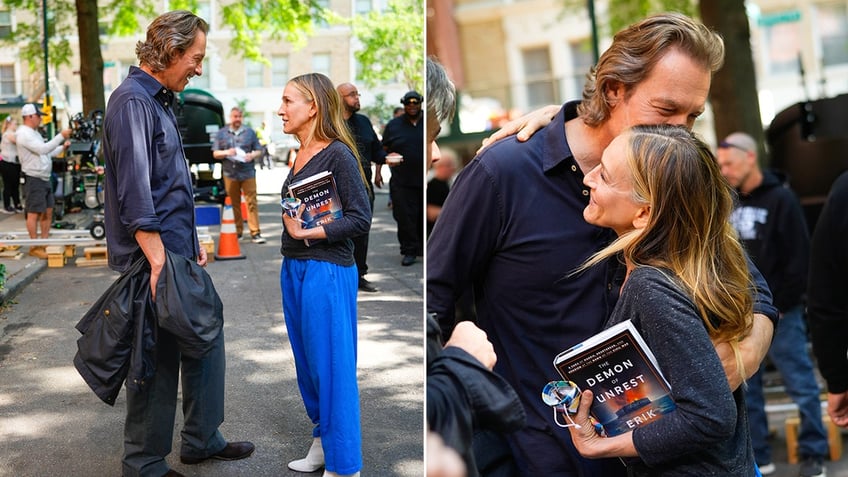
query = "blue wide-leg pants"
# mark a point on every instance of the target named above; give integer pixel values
(319, 304)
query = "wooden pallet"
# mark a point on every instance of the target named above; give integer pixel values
(11, 251)
(209, 245)
(834, 438)
(94, 256)
(55, 256)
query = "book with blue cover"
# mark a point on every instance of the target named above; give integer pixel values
(623, 374)
(319, 194)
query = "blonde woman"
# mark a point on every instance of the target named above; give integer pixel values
(686, 285)
(10, 168)
(319, 281)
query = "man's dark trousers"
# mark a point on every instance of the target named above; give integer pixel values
(360, 244)
(149, 428)
(408, 212)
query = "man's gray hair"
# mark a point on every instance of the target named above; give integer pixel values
(441, 94)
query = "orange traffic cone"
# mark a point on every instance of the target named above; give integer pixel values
(243, 208)
(228, 246)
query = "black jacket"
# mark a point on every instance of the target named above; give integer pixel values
(771, 224)
(463, 398)
(828, 288)
(119, 332)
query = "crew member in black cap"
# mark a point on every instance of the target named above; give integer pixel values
(404, 136)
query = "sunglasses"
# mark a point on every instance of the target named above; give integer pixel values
(412, 101)
(725, 145)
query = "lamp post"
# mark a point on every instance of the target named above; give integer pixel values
(593, 21)
(47, 100)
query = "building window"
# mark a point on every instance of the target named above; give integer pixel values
(782, 42)
(254, 70)
(831, 24)
(357, 70)
(321, 63)
(538, 75)
(582, 60)
(362, 7)
(203, 81)
(5, 23)
(204, 11)
(279, 70)
(320, 21)
(7, 80)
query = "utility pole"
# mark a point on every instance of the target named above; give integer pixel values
(48, 102)
(595, 52)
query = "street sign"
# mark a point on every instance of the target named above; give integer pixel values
(771, 19)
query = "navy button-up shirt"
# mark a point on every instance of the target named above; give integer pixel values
(148, 184)
(512, 227)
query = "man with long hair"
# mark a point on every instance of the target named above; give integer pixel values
(150, 208)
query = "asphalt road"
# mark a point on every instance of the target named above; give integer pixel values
(51, 424)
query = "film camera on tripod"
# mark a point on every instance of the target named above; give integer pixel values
(79, 175)
(86, 168)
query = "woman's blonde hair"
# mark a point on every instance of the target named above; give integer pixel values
(329, 121)
(688, 230)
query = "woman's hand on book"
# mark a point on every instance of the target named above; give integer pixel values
(585, 438)
(294, 225)
(589, 443)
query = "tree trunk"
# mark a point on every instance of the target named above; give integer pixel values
(733, 96)
(91, 60)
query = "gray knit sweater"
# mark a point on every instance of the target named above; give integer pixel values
(707, 434)
(338, 248)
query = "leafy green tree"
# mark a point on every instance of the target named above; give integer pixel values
(380, 112)
(250, 20)
(392, 40)
(392, 44)
(29, 35)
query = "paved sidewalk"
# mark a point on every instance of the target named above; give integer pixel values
(21, 271)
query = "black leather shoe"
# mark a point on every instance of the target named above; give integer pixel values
(367, 286)
(233, 451)
(407, 260)
(173, 473)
